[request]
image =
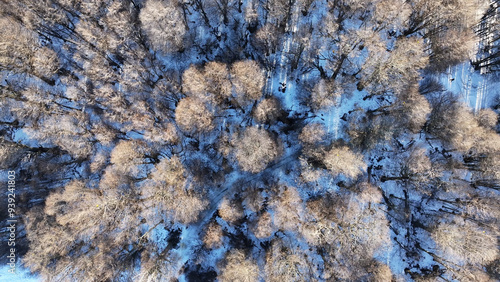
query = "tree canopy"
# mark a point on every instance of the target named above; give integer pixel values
(272, 140)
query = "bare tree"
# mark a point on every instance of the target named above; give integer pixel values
(288, 208)
(411, 109)
(230, 210)
(487, 118)
(147, 140)
(456, 125)
(264, 226)
(193, 116)
(367, 129)
(312, 133)
(163, 23)
(255, 149)
(341, 160)
(287, 262)
(268, 110)
(451, 48)
(213, 236)
(169, 190)
(217, 77)
(345, 234)
(21, 52)
(248, 80)
(267, 39)
(396, 69)
(82, 220)
(239, 268)
(465, 242)
(325, 94)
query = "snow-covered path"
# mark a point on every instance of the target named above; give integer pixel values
(475, 89)
(279, 78)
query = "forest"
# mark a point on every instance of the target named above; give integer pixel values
(250, 140)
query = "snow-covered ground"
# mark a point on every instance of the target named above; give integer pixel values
(21, 275)
(477, 90)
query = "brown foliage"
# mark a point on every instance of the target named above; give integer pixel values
(341, 160)
(248, 80)
(255, 149)
(268, 110)
(239, 268)
(456, 125)
(451, 48)
(351, 231)
(412, 109)
(162, 22)
(192, 116)
(324, 95)
(288, 208)
(487, 118)
(168, 191)
(78, 221)
(20, 51)
(287, 262)
(230, 210)
(464, 241)
(264, 226)
(211, 84)
(213, 236)
(312, 133)
(367, 130)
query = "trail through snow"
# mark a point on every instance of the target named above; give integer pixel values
(288, 96)
(475, 89)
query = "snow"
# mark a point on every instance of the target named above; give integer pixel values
(189, 239)
(22, 137)
(475, 89)
(21, 275)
